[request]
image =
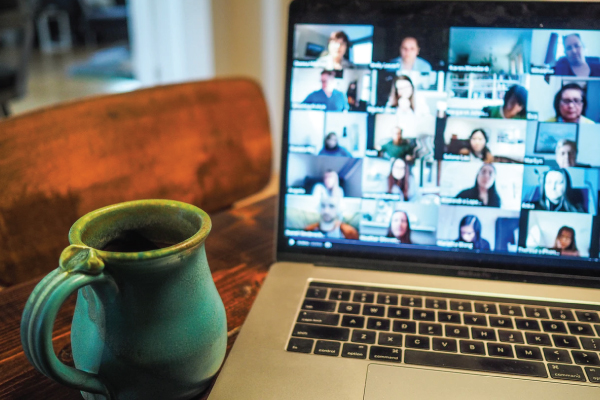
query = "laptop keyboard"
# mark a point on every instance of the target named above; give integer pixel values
(506, 336)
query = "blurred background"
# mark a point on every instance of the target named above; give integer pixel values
(58, 50)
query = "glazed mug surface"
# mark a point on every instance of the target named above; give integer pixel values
(149, 322)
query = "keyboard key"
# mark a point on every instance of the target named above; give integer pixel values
(486, 308)
(373, 310)
(510, 336)
(436, 304)
(391, 354)
(363, 297)
(339, 295)
(316, 293)
(457, 331)
(321, 332)
(501, 322)
(367, 337)
(417, 342)
(540, 339)
(411, 301)
(581, 329)
(390, 339)
(351, 350)
(566, 372)
(313, 317)
(483, 334)
(597, 329)
(590, 343)
(473, 363)
(527, 324)
(475, 319)
(327, 348)
(511, 309)
(443, 344)
(585, 358)
(448, 317)
(318, 305)
(300, 345)
(349, 308)
(457, 305)
(430, 329)
(470, 347)
(528, 353)
(352, 321)
(554, 326)
(389, 299)
(536, 312)
(399, 312)
(565, 341)
(404, 326)
(593, 374)
(565, 315)
(379, 324)
(557, 355)
(423, 315)
(587, 316)
(500, 350)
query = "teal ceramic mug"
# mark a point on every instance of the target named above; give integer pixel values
(149, 322)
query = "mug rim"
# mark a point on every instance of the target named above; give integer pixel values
(76, 231)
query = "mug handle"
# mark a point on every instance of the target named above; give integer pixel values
(78, 266)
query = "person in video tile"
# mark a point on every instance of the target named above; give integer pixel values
(569, 104)
(409, 59)
(332, 148)
(477, 146)
(335, 56)
(333, 99)
(397, 147)
(575, 63)
(565, 242)
(557, 193)
(515, 104)
(566, 154)
(329, 223)
(330, 186)
(400, 180)
(484, 189)
(402, 96)
(469, 231)
(400, 227)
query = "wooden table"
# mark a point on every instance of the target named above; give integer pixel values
(240, 249)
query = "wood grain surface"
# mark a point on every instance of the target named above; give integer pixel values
(240, 249)
(205, 143)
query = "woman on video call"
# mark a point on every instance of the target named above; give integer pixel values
(334, 57)
(557, 193)
(565, 242)
(332, 148)
(477, 146)
(484, 189)
(400, 227)
(569, 104)
(469, 231)
(403, 97)
(400, 180)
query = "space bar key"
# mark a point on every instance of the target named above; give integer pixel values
(476, 363)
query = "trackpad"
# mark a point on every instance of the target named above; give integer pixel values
(386, 382)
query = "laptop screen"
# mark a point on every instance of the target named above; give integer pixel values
(458, 133)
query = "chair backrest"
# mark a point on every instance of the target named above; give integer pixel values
(205, 143)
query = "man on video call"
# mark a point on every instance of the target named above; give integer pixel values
(397, 147)
(329, 224)
(333, 99)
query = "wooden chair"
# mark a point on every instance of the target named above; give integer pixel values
(206, 143)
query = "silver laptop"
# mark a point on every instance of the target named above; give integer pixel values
(438, 231)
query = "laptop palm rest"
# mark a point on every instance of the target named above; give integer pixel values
(386, 382)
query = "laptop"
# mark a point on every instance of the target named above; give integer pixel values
(438, 230)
